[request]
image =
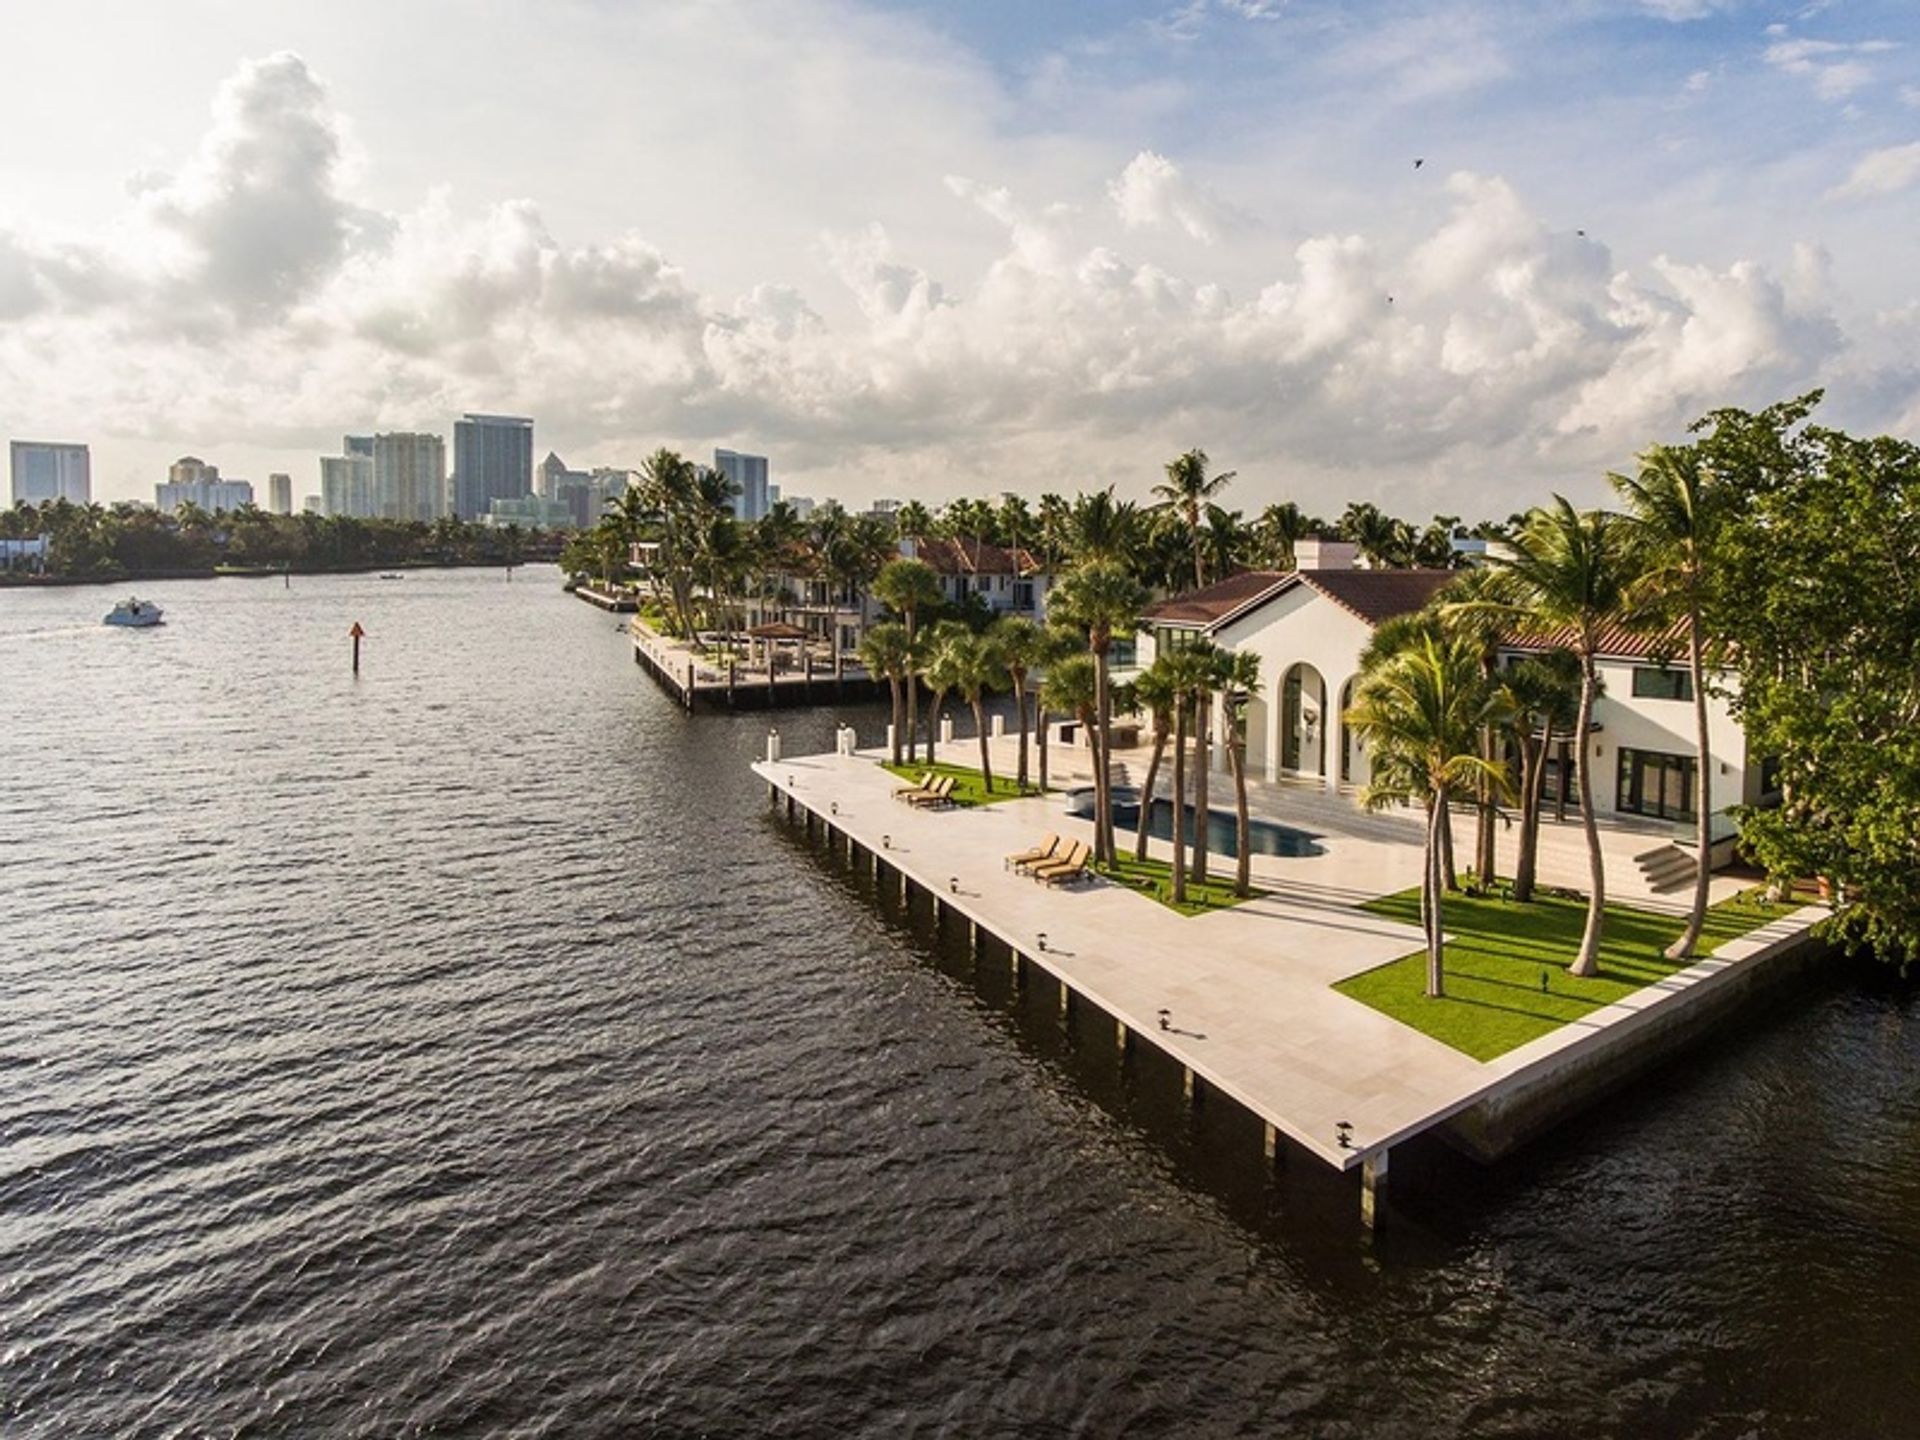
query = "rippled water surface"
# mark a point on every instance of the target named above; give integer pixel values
(467, 1050)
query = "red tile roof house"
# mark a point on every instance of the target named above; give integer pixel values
(1010, 581)
(1309, 626)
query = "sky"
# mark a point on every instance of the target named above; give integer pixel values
(1444, 255)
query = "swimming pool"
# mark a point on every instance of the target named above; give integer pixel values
(1267, 836)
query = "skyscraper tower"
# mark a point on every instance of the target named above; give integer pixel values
(492, 460)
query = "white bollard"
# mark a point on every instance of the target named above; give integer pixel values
(890, 740)
(946, 729)
(849, 741)
(773, 747)
(999, 727)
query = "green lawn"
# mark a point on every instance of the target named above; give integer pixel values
(967, 789)
(1500, 952)
(1154, 878)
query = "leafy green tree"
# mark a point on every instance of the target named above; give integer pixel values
(1189, 672)
(1070, 687)
(1814, 587)
(1540, 696)
(1058, 643)
(942, 668)
(1421, 711)
(975, 666)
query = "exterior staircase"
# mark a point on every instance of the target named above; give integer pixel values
(1666, 868)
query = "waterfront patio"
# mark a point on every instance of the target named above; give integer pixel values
(1247, 992)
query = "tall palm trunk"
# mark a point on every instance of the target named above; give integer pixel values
(1703, 789)
(1447, 873)
(1102, 776)
(1146, 790)
(913, 699)
(893, 686)
(1179, 800)
(935, 698)
(1040, 737)
(980, 728)
(1236, 743)
(1485, 853)
(1588, 961)
(1533, 775)
(1436, 973)
(1202, 728)
(1020, 713)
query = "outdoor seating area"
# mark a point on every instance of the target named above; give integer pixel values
(1053, 861)
(934, 792)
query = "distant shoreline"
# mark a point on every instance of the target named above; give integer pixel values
(140, 577)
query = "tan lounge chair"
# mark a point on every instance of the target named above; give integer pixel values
(1045, 850)
(1069, 866)
(934, 797)
(904, 792)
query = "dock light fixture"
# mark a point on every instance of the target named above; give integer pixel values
(1042, 939)
(1166, 1018)
(886, 842)
(833, 807)
(1344, 1129)
(953, 884)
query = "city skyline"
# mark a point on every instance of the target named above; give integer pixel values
(1020, 252)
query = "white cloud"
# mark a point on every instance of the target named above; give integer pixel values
(1881, 172)
(1152, 191)
(1005, 328)
(1833, 66)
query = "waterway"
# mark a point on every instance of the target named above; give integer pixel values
(466, 1049)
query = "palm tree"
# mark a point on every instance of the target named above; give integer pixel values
(1186, 491)
(886, 650)
(1239, 681)
(1189, 671)
(1102, 528)
(1070, 687)
(939, 671)
(1279, 528)
(1473, 606)
(1420, 711)
(1210, 659)
(908, 588)
(1540, 695)
(1570, 572)
(974, 665)
(913, 521)
(1154, 693)
(1673, 509)
(1021, 642)
(1104, 600)
(1058, 643)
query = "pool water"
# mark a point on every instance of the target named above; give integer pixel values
(1267, 837)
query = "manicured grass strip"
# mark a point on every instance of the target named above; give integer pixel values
(1154, 878)
(1499, 954)
(967, 789)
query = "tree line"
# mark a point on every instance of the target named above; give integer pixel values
(112, 542)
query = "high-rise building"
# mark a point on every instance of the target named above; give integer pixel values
(192, 481)
(280, 494)
(409, 476)
(492, 460)
(346, 486)
(48, 470)
(357, 445)
(749, 475)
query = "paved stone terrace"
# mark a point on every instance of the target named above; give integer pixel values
(1249, 988)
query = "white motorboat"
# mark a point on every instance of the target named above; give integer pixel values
(132, 612)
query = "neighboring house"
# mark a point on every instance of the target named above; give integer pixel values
(1309, 627)
(1009, 581)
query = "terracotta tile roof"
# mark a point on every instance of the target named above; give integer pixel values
(1617, 642)
(974, 557)
(1373, 595)
(1377, 595)
(1215, 602)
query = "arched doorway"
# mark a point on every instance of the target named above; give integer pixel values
(1303, 717)
(1348, 744)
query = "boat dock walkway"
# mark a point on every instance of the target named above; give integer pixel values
(1241, 998)
(693, 679)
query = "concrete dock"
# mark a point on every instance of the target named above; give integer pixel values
(1245, 992)
(693, 680)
